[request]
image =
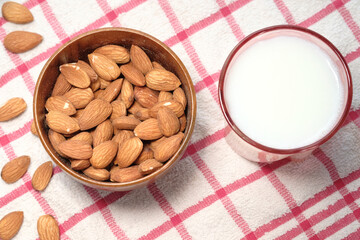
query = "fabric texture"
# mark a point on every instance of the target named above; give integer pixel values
(211, 193)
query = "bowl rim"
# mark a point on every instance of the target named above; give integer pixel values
(257, 145)
(147, 178)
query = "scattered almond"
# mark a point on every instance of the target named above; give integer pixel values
(179, 95)
(104, 83)
(148, 130)
(125, 123)
(122, 135)
(164, 96)
(21, 41)
(79, 165)
(103, 154)
(15, 169)
(75, 75)
(128, 174)
(146, 96)
(149, 166)
(78, 114)
(76, 149)
(182, 120)
(61, 86)
(83, 136)
(33, 129)
(42, 176)
(168, 147)
(97, 174)
(157, 65)
(61, 122)
(133, 75)
(127, 94)
(10, 224)
(105, 68)
(143, 114)
(80, 98)
(168, 122)
(116, 53)
(103, 132)
(95, 85)
(145, 154)
(12, 108)
(89, 71)
(98, 93)
(140, 60)
(55, 139)
(95, 113)
(61, 104)
(162, 80)
(128, 152)
(112, 91)
(119, 109)
(16, 13)
(173, 105)
(48, 228)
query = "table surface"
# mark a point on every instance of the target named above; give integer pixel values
(211, 193)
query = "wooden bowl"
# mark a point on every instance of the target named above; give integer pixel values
(79, 48)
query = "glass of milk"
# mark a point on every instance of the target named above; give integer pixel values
(284, 90)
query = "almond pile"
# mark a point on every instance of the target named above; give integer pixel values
(118, 118)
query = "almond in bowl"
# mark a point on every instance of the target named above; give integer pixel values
(124, 110)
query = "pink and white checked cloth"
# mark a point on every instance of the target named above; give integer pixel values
(211, 193)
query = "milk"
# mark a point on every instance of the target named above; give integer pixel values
(283, 92)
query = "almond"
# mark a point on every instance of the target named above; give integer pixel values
(149, 166)
(116, 53)
(133, 75)
(55, 139)
(79, 165)
(89, 71)
(125, 174)
(182, 120)
(157, 65)
(103, 132)
(168, 147)
(48, 228)
(162, 80)
(95, 113)
(122, 135)
(173, 105)
(98, 93)
(21, 41)
(42, 176)
(105, 68)
(97, 174)
(125, 123)
(164, 96)
(61, 86)
(127, 94)
(12, 108)
(119, 109)
(10, 224)
(76, 149)
(140, 60)
(112, 91)
(16, 13)
(15, 169)
(61, 104)
(104, 83)
(168, 122)
(75, 75)
(179, 95)
(61, 122)
(128, 152)
(33, 129)
(146, 154)
(78, 114)
(83, 136)
(143, 114)
(103, 154)
(95, 85)
(148, 130)
(145, 96)
(135, 107)
(156, 143)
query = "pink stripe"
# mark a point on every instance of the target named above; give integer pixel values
(169, 211)
(352, 55)
(336, 226)
(354, 235)
(6, 139)
(285, 11)
(230, 20)
(109, 13)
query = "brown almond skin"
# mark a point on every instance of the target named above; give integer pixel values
(61, 122)
(33, 129)
(103, 132)
(140, 59)
(80, 164)
(76, 149)
(127, 94)
(119, 109)
(168, 122)
(116, 53)
(16, 13)
(125, 123)
(95, 113)
(95, 85)
(97, 174)
(173, 105)
(149, 166)
(122, 135)
(154, 144)
(112, 91)
(12, 108)
(75, 75)
(89, 71)
(146, 154)
(148, 130)
(157, 65)
(61, 86)
(55, 139)
(182, 121)
(104, 83)
(164, 96)
(167, 148)
(179, 95)
(125, 174)
(162, 80)
(78, 114)
(98, 93)
(21, 41)
(104, 67)
(146, 96)
(133, 75)
(10, 224)
(61, 104)
(103, 154)
(15, 169)
(83, 136)
(128, 152)
(80, 97)
(135, 107)
(48, 228)
(42, 176)
(143, 114)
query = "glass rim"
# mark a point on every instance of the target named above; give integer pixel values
(292, 150)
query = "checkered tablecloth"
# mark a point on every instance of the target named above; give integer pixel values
(211, 193)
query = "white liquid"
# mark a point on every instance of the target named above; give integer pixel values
(284, 92)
